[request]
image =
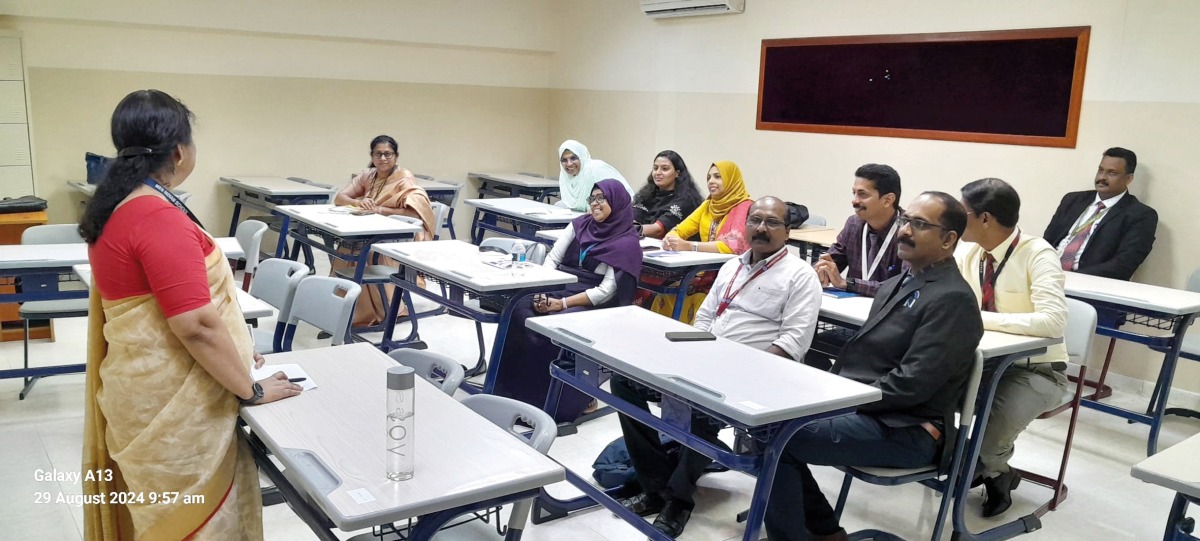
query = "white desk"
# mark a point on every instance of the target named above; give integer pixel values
(523, 217)
(264, 193)
(87, 191)
(460, 267)
(1176, 468)
(343, 235)
(445, 193)
(1168, 312)
(721, 380)
(812, 240)
(252, 307)
(32, 256)
(331, 440)
(515, 185)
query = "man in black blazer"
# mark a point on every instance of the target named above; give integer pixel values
(1107, 231)
(917, 346)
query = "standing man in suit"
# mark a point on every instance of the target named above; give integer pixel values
(917, 346)
(1107, 231)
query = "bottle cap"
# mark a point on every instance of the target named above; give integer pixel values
(400, 378)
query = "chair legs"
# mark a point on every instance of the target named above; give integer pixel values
(1058, 484)
(1102, 390)
(29, 381)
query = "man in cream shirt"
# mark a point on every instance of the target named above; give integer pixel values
(1019, 282)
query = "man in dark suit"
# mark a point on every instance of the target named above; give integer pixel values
(917, 347)
(1107, 231)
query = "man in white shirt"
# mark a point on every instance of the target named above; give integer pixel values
(1018, 279)
(766, 298)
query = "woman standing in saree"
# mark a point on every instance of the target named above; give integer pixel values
(168, 352)
(721, 222)
(386, 189)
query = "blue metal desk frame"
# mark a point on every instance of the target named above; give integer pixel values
(1112, 316)
(499, 188)
(39, 284)
(267, 203)
(490, 220)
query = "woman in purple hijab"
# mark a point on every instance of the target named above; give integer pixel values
(600, 248)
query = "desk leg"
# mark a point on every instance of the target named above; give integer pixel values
(476, 231)
(316, 521)
(237, 212)
(1179, 526)
(681, 293)
(284, 226)
(1167, 374)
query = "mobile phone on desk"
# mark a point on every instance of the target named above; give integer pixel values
(690, 336)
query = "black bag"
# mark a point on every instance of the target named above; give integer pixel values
(797, 215)
(28, 203)
(97, 167)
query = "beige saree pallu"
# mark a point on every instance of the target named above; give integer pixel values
(164, 428)
(398, 191)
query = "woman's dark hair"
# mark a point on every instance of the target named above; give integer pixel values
(146, 127)
(684, 186)
(380, 139)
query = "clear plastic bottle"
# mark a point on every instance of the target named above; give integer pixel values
(518, 255)
(400, 427)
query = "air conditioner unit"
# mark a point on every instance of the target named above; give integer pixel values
(689, 8)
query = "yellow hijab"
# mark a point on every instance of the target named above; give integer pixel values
(734, 191)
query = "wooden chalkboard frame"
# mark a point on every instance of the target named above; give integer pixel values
(1080, 33)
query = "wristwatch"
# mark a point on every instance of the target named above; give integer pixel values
(851, 284)
(695, 246)
(258, 395)
(638, 227)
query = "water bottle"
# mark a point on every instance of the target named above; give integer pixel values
(400, 403)
(518, 259)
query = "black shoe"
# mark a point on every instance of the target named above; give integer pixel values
(999, 493)
(643, 504)
(673, 518)
(323, 335)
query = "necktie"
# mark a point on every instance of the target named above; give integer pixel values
(1078, 238)
(987, 288)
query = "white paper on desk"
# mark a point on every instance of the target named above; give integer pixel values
(552, 212)
(292, 370)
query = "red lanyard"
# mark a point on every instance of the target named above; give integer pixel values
(727, 298)
(987, 283)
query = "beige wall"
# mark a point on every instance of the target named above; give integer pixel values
(634, 86)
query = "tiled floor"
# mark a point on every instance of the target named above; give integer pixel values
(44, 432)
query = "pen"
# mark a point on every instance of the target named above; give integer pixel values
(296, 380)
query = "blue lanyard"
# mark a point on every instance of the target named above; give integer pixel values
(172, 199)
(583, 254)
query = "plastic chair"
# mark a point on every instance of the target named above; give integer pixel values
(1081, 329)
(249, 235)
(436, 368)
(505, 412)
(927, 475)
(325, 303)
(535, 252)
(46, 310)
(275, 284)
(814, 219)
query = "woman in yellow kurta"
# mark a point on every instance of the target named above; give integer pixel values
(386, 189)
(720, 222)
(168, 353)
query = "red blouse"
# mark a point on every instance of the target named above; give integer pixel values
(149, 246)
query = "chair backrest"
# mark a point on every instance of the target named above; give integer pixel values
(1193, 282)
(535, 252)
(814, 219)
(325, 303)
(249, 235)
(52, 234)
(504, 413)
(439, 217)
(1081, 329)
(436, 368)
(275, 283)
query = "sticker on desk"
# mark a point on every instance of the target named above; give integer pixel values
(361, 495)
(752, 405)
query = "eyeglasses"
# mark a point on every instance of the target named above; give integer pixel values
(918, 224)
(597, 199)
(384, 155)
(771, 223)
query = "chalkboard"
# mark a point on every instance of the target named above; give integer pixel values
(1011, 86)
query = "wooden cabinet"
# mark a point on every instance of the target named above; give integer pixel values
(11, 227)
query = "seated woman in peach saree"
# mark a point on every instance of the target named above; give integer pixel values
(386, 189)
